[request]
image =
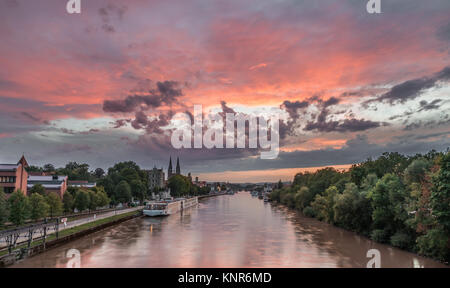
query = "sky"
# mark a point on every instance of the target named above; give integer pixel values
(103, 86)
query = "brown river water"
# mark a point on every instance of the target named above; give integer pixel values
(226, 231)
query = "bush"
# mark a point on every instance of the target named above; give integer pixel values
(401, 240)
(434, 244)
(288, 200)
(309, 212)
(378, 235)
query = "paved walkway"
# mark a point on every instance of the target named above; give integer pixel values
(91, 218)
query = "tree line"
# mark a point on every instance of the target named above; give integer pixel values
(19, 208)
(400, 200)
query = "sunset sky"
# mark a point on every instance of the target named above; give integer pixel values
(102, 86)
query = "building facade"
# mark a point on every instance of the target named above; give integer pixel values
(52, 184)
(155, 178)
(14, 177)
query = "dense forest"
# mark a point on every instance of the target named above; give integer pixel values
(400, 200)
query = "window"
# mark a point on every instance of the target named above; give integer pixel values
(7, 179)
(8, 190)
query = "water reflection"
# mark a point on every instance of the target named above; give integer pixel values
(227, 231)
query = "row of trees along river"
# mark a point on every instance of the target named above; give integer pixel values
(400, 200)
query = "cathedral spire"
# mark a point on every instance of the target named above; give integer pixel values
(169, 171)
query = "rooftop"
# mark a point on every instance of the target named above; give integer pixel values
(8, 167)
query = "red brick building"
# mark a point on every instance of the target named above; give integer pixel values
(52, 183)
(14, 176)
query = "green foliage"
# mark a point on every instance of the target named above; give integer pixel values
(379, 235)
(404, 201)
(179, 185)
(68, 202)
(122, 193)
(55, 204)
(324, 205)
(4, 209)
(416, 171)
(82, 200)
(19, 208)
(352, 210)
(434, 244)
(37, 188)
(97, 198)
(303, 198)
(38, 206)
(309, 212)
(388, 204)
(280, 184)
(401, 240)
(440, 194)
(288, 200)
(130, 173)
(138, 190)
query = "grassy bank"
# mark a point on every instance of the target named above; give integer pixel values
(75, 230)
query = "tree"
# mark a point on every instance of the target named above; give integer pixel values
(138, 190)
(55, 204)
(102, 199)
(19, 208)
(99, 173)
(416, 171)
(440, 194)
(37, 188)
(179, 185)
(324, 205)
(303, 198)
(388, 197)
(122, 192)
(4, 211)
(352, 210)
(68, 202)
(49, 168)
(81, 202)
(280, 184)
(38, 206)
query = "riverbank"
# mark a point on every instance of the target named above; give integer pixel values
(276, 203)
(65, 236)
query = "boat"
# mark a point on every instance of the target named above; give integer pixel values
(254, 193)
(168, 206)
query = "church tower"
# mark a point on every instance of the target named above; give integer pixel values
(178, 170)
(169, 171)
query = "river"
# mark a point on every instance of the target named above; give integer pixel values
(226, 231)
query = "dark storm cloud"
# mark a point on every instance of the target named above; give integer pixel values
(412, 89)
(425, 106)
(165, 93)
(73, 132)
(321, 124)
(109, 13)
(431, 124)
(293, 107)
(331, 102)
(120, 123)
